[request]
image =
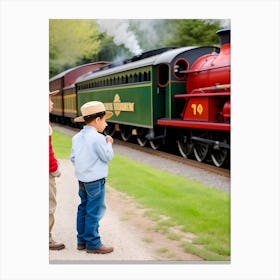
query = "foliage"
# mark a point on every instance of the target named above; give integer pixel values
(77, 41)
(71, 41)
(193, 32)
(109, 51)
(157, 33)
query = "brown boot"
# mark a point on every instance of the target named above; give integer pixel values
(56, 246)
(101, 250)
(81, 246)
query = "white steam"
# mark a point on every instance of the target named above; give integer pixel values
(118, 29)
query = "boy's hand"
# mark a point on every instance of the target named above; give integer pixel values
(109, 139)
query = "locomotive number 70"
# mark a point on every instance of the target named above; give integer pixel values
(197, 108)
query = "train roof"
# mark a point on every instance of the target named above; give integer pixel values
(165, 57)
(62, 74)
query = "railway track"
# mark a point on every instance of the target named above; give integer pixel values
(161, 154)
(188, 162)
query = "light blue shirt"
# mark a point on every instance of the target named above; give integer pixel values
(90, 154)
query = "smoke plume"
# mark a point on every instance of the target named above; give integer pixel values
(118, 29)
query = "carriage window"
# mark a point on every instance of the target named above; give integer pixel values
(162, 75)
(135, 78)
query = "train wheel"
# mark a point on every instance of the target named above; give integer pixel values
(126, 132)
(155, 144)
(184, 142)
(158, 137)
(141, 136)
(219, 155)
(200, 149)
(110, 129)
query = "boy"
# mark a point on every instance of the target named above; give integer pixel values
(54, 171)
(91, 152)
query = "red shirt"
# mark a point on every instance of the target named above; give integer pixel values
(54, 167)
(52, 159)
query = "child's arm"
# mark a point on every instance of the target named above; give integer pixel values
(109, 139)
(104, 149)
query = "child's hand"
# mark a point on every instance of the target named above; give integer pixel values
(109, 139)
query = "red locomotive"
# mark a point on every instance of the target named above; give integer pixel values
(204, 126)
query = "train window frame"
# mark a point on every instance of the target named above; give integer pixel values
(131, 77)
(167, 78)
(140, 79)
(184, 75)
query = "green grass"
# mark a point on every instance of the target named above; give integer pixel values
(198, 208)
(187, 203)
(206, 255)
(61, 144)
(162, 250)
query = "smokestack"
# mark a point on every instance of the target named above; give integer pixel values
(224, 36)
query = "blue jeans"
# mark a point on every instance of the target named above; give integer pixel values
(90, 211)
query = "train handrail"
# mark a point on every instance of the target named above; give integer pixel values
(212, 94)
(202, 70)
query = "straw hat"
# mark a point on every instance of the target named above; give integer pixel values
(51, 93)
(93, 108)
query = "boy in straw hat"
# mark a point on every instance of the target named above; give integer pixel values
(91, 152)
(54, 171)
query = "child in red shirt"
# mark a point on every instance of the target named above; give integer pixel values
(54, 171)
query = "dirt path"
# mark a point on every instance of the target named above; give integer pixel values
(124, 226)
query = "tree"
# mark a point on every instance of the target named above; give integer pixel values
(109, 51)
(71, 41)
(191, 32)
(157, 33)
(74, 42)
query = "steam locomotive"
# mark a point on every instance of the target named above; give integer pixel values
(168, 95)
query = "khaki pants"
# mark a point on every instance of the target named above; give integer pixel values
(52, 204)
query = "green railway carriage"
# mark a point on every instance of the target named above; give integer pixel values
(141, 91)
(129, 100)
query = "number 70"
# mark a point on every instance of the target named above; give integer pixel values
(197, 108)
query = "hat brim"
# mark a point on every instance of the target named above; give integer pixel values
(107, 115)
(53, 92)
